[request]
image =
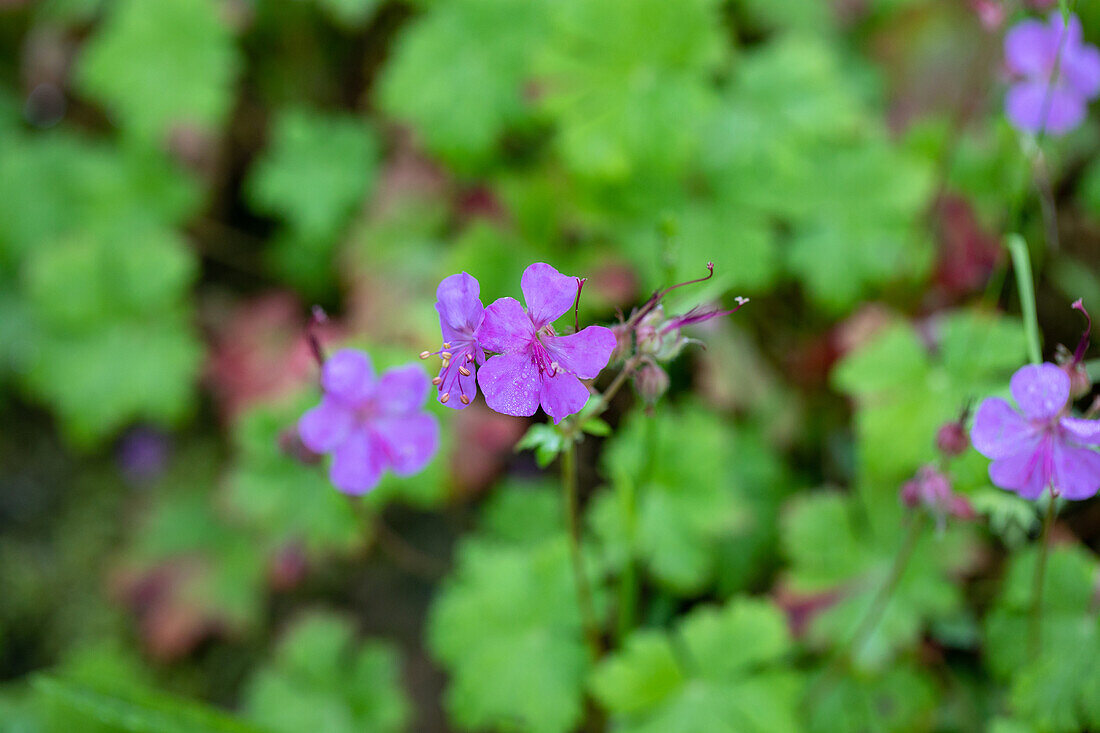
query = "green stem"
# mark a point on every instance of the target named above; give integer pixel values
(1021, 263)
(1036, 616)
(628, 581)
(571, 428)
(882, 598)
(584, 592)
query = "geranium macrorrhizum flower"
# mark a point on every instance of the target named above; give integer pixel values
(370, 425)
(1043, 447)
(534, 365)
(1056, 76)
(460, 314)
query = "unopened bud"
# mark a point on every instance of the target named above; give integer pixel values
(624, 342)
(952, 440)
(1080, 384)
(651, 381)
(931, 490)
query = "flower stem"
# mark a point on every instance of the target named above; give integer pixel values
(584, 592)
(628, 581)
(874, 612)
(1026, 287)
(1035, 634)
(882, 598)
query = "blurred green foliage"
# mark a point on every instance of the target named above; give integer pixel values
(180, 178)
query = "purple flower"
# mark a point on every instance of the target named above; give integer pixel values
(460, 315)
(1043, 447)
(534, 365)
(1050, 92)
(368, 424)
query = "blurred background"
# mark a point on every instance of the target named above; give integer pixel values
(181, 179)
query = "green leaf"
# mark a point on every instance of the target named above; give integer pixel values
(509, 614)
(834, 556)
(140, 711)
(322, 678)
(628, 82)
(158, 65)
(690, 512)
(317, 170)
(100, 380)
(904, 391)
(522, 513)
(719, 670)
(102, 276)
(546, 440)
(56, 184)
(457, 75)
(792, 142)
(1057, 691)
(900, 699)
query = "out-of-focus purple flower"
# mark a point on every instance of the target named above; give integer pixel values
(370, 425)
(1056, 74)
(1042, 447)
(142, 455)
(533, 364)
(931, 490)
(460, 314)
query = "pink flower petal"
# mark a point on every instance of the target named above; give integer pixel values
(1076, 471)
(1082, 70)
(357, 464)
(1082, 431)
(548, 293)
(1028, 472)
(402, 390)
(511, 384)
(1030, 47)
(1033, 106)
(348, 375)
(325, 426)
(999, 431)
(563, 395)
(1041, 390)
(458, 301)
(408, 441)
(584, 353)
(506, 328)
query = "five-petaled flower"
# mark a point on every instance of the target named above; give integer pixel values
(370, 425)
(1044, 447)
(1057, 74)
(533, 364)
(460, 313)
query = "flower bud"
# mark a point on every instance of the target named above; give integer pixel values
(1079, 382)
(658, 337)
(624, 342)
(952, 439)
(931, 490)
(651, 381)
